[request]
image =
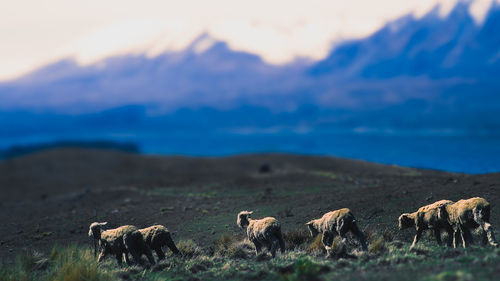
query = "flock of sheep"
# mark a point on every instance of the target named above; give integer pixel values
(455, 218)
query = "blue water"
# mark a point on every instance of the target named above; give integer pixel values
(442, 150)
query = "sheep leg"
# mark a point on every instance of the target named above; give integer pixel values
(171, 245)
(467, 236)
(160, 253)
(484, 237)
(341, 226)
(132, 248)
(437, 234)
(95, 247)
(450, 232)
(119, 259)
(486, 229)
(457, 237)
(274, 245)
(102, 254)
(358, 233)
(136, 257)
(149, 254)
(490, 235)
(127, 260)
(282, 243)
(417, 237)
(327, 241)
(258, 247)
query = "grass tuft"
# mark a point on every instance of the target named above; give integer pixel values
(68, 264)
(316, 247)
(296, 239)
(189, 248)
(377, 245)
(304, 270)
(228, 246)
(452, 276)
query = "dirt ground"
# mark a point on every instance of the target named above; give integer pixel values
(50, 197)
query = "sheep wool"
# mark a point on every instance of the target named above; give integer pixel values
(334, 223)
(156, 237)
(432, 217)
(469, 214)
(119, 242)
(262, 232)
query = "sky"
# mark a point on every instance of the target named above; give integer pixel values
(36, 32)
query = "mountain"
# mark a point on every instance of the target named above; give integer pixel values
(439, 48)
(215, 76)
(414, 72)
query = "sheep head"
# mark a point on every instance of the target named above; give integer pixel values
(312, 228)
(406, 221)
(95, 230)
(243, 219)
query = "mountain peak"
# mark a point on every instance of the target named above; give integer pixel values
(202, 43)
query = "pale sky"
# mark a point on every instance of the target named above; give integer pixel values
(37, 32)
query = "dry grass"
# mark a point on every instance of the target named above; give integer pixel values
(229, 246)
(189, 248)
(296, 239)
(377, 245)
(304, 270)
(68, 264)
(316, 247)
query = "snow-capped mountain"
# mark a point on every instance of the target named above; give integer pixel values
(413, 72)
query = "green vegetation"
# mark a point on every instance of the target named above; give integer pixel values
(233, 258)
(62, 264)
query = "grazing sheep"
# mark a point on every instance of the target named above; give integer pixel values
(156, 237)
(120, 241)
(334, 223)
(471, 213)
(262, 232)
(95, 230)
(428, 217)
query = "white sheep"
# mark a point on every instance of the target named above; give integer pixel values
(334, 223)
(471, 213)
(431, 217)
(156, 237)
(262, 232)
(119, 242)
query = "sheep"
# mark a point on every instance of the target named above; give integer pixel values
(262, 232)
(120, 241)
(428, 217)
(471, 213)
(156, 237)
(95, 230)
(334, 223)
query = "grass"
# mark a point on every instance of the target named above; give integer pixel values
(62, 264)
(232, 258)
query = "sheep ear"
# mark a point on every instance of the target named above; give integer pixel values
(251, 212)
(309, 223)
(103, 223)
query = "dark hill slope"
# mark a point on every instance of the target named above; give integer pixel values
(52, 196)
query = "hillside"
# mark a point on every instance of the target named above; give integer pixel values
(52, 196)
